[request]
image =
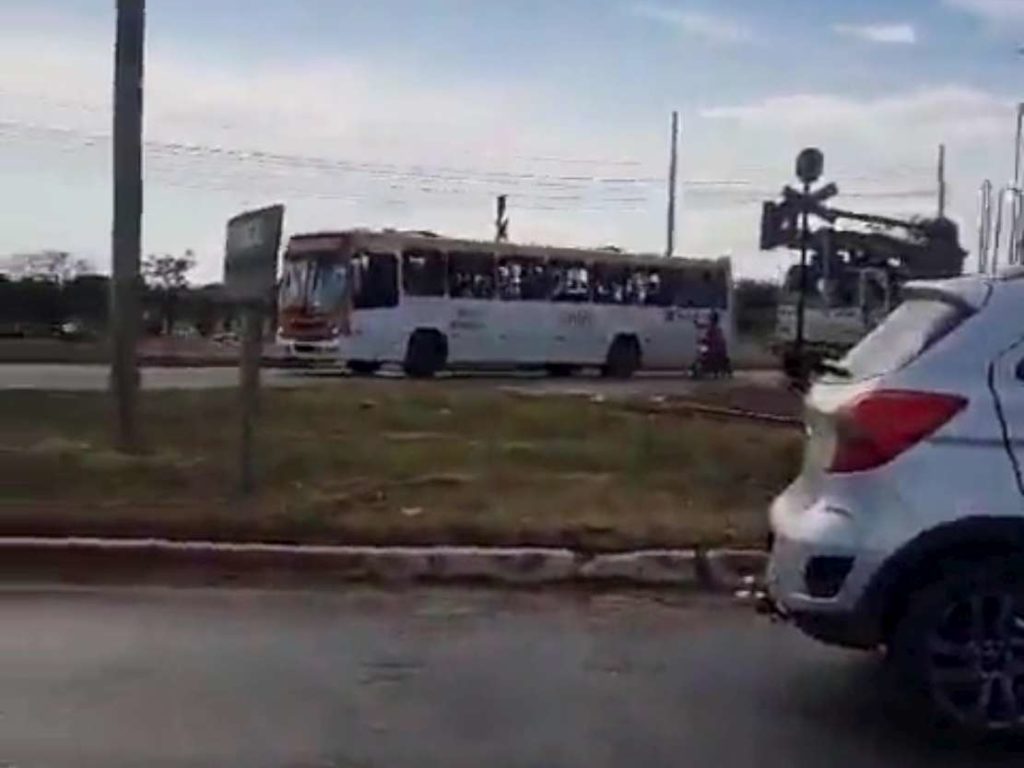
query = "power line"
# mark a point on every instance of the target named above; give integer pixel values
(258, 173)
(292, 162)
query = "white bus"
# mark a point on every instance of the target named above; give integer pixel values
(427, 303)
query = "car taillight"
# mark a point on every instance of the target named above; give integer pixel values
(878, 427)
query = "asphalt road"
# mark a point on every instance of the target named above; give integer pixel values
(160, 677)
(94, 378)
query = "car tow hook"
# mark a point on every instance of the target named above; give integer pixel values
(754, 592)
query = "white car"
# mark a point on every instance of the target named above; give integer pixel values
(905, 528)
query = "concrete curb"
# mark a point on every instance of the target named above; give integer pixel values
(83, 559)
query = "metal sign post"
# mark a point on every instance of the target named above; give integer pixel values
(250, 273)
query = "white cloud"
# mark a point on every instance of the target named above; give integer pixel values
(715, 29)
(939, 113)
(992, 11)
(893, 34)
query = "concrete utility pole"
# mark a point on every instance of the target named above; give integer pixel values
(1016, 238)
(1017, 146)
(673, 169)
(127, 226)
(501, 220)
(942, 181)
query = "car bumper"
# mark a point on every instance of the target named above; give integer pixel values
(819, 567)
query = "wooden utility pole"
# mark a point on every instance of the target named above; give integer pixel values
(673, 169)
(127, 225)
(942, 181)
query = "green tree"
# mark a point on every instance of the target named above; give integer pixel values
(54, 266)
(166, 278)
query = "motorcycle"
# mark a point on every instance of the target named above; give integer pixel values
(710, 364)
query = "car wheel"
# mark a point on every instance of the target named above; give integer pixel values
(960, 645)
(623, 358)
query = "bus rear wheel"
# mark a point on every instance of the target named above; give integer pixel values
(363, 367)
(560, 370)
(426, 354)
(623, 358)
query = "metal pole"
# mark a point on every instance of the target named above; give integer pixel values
(802, 298)
(942, 181)
(1017, 146)
(127, 225)
(673, 168)
(1015, 244)
(984, 226)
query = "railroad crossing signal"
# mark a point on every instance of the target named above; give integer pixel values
(780, 220)
(786, 223)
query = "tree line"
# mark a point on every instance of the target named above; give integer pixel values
(50, 292)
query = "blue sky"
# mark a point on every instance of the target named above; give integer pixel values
(416, 112)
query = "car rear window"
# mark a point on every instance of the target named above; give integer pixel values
(912, 328)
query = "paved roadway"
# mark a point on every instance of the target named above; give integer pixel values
(70, 377)
(111, 677)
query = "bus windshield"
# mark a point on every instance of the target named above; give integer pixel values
(315, 284)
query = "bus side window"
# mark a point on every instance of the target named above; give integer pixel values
(719, 290)
(569, 281)
(638, 286)
(673, 285)
(522, 279)
(423, 272)
(471, 275)
(376, 280)
(687, 289)
(609, 284)
(659, 289)
(713, 289)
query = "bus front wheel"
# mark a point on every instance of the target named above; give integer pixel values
(426, 354)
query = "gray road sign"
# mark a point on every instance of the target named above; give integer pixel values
(250, 258)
